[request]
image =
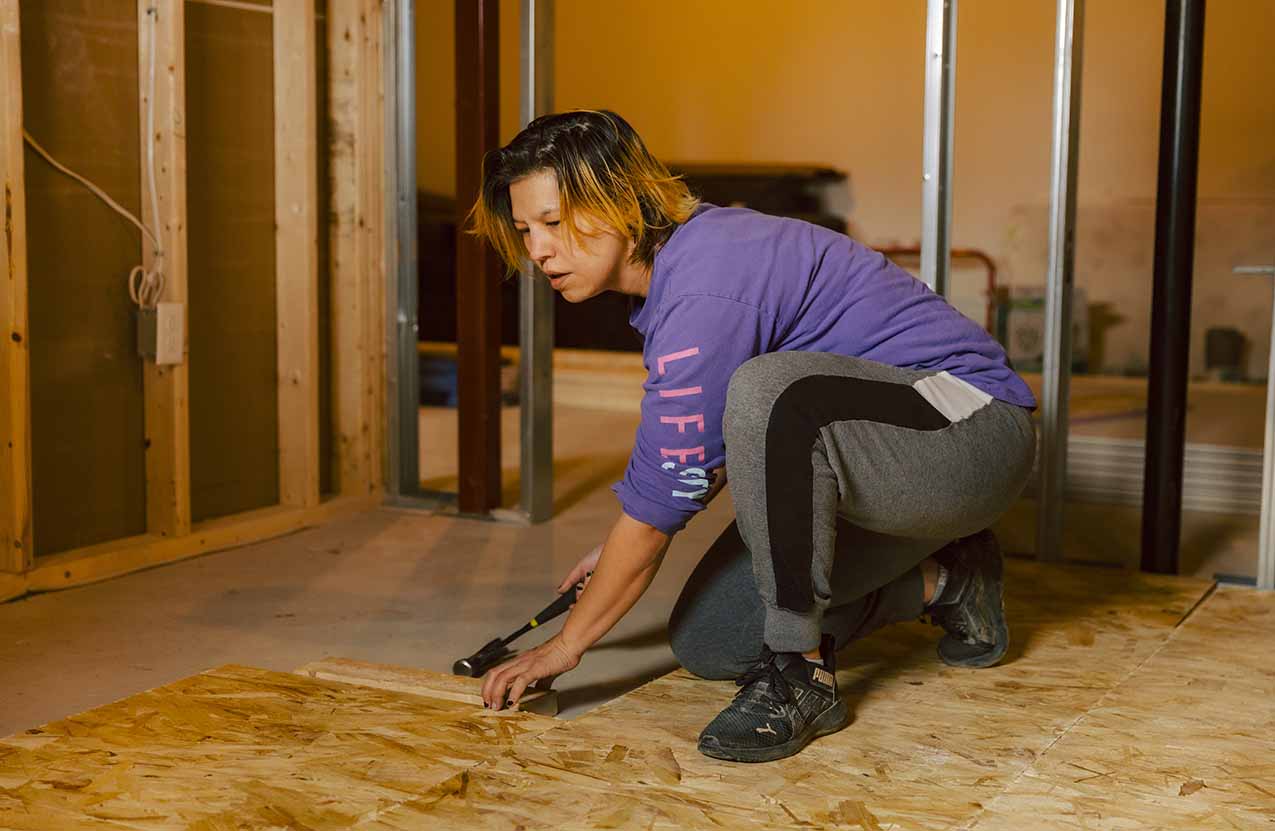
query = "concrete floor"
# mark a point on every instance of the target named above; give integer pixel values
(389, 586)
(417, 590)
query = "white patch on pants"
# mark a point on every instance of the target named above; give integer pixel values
(956, 399)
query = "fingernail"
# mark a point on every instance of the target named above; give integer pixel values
(510, 702)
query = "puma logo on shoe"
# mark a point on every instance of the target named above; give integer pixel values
(800, 697)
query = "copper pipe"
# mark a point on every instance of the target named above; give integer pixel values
(959, 253)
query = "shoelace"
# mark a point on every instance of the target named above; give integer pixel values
(766, 668)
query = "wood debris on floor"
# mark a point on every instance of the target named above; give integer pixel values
(1111, 712)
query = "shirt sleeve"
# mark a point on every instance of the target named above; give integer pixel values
(695, 348)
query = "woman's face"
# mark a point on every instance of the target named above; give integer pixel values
(600, 262)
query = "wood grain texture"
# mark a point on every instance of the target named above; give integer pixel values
(237, 747)
(106, 560)
(296, 255)
(355, 335)
(166, 388)
(928, 748)
(16, 547)
(1120, 707)
(373, 226)
(477, 269)
(1186, 741)
(421, 682)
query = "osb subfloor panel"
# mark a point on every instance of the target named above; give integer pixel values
(1186, 742)
(930, 747)
(1110, 713)
(238, 747)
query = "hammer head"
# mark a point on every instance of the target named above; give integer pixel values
(476, 665)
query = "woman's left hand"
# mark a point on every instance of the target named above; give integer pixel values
(506, 683)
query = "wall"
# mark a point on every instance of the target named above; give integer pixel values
(79, 71)
(80, 78)
(436, 89)
(840, 83)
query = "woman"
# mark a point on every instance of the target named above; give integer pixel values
(870, 432)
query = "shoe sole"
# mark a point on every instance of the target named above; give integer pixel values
(990, 658)
(829, 721)
(993, 656)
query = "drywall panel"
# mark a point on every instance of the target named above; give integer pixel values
(79, 70)
(230, 163)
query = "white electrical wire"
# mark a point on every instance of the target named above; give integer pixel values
(145, 287)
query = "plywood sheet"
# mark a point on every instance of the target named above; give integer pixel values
(238, 748)
(929, 746)
(1111, 713)
(1186, 742)
(79, 70)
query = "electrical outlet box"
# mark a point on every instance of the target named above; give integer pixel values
(170, 342)
(161, 333)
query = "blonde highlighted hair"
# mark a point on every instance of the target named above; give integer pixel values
(605, 174)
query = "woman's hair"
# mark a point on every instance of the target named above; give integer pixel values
(604, 172)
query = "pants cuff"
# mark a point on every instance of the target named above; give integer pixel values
(788, 631)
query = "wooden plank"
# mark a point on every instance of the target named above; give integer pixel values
(421, 682)
(12, 585)
(16, 546)
(296, 257)
(112, 559)
(238, 747)
(372, 244)
(167, 387)
(351, 268)
(477, 271)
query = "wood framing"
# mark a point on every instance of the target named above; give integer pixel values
(357, 227)
(166, 387)
(16, 547)
(296, 253)
(356, 248)
(111, 559)
(373, 229)
(477, 272)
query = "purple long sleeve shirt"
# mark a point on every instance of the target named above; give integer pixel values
(731, 284)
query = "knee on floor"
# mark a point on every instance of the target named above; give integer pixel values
(704, 655)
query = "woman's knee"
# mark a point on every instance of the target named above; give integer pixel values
(700, 652)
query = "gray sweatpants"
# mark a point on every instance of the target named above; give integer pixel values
(845, 475)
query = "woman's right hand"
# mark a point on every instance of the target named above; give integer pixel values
(583, 570)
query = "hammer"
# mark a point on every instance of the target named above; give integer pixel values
(497, 650)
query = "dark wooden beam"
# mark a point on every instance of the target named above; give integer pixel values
(1171, 301)
(477, 271)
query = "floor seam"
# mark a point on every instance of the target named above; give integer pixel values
(973, 821)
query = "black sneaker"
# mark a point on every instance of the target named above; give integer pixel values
(972, 608)
(785, 702)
